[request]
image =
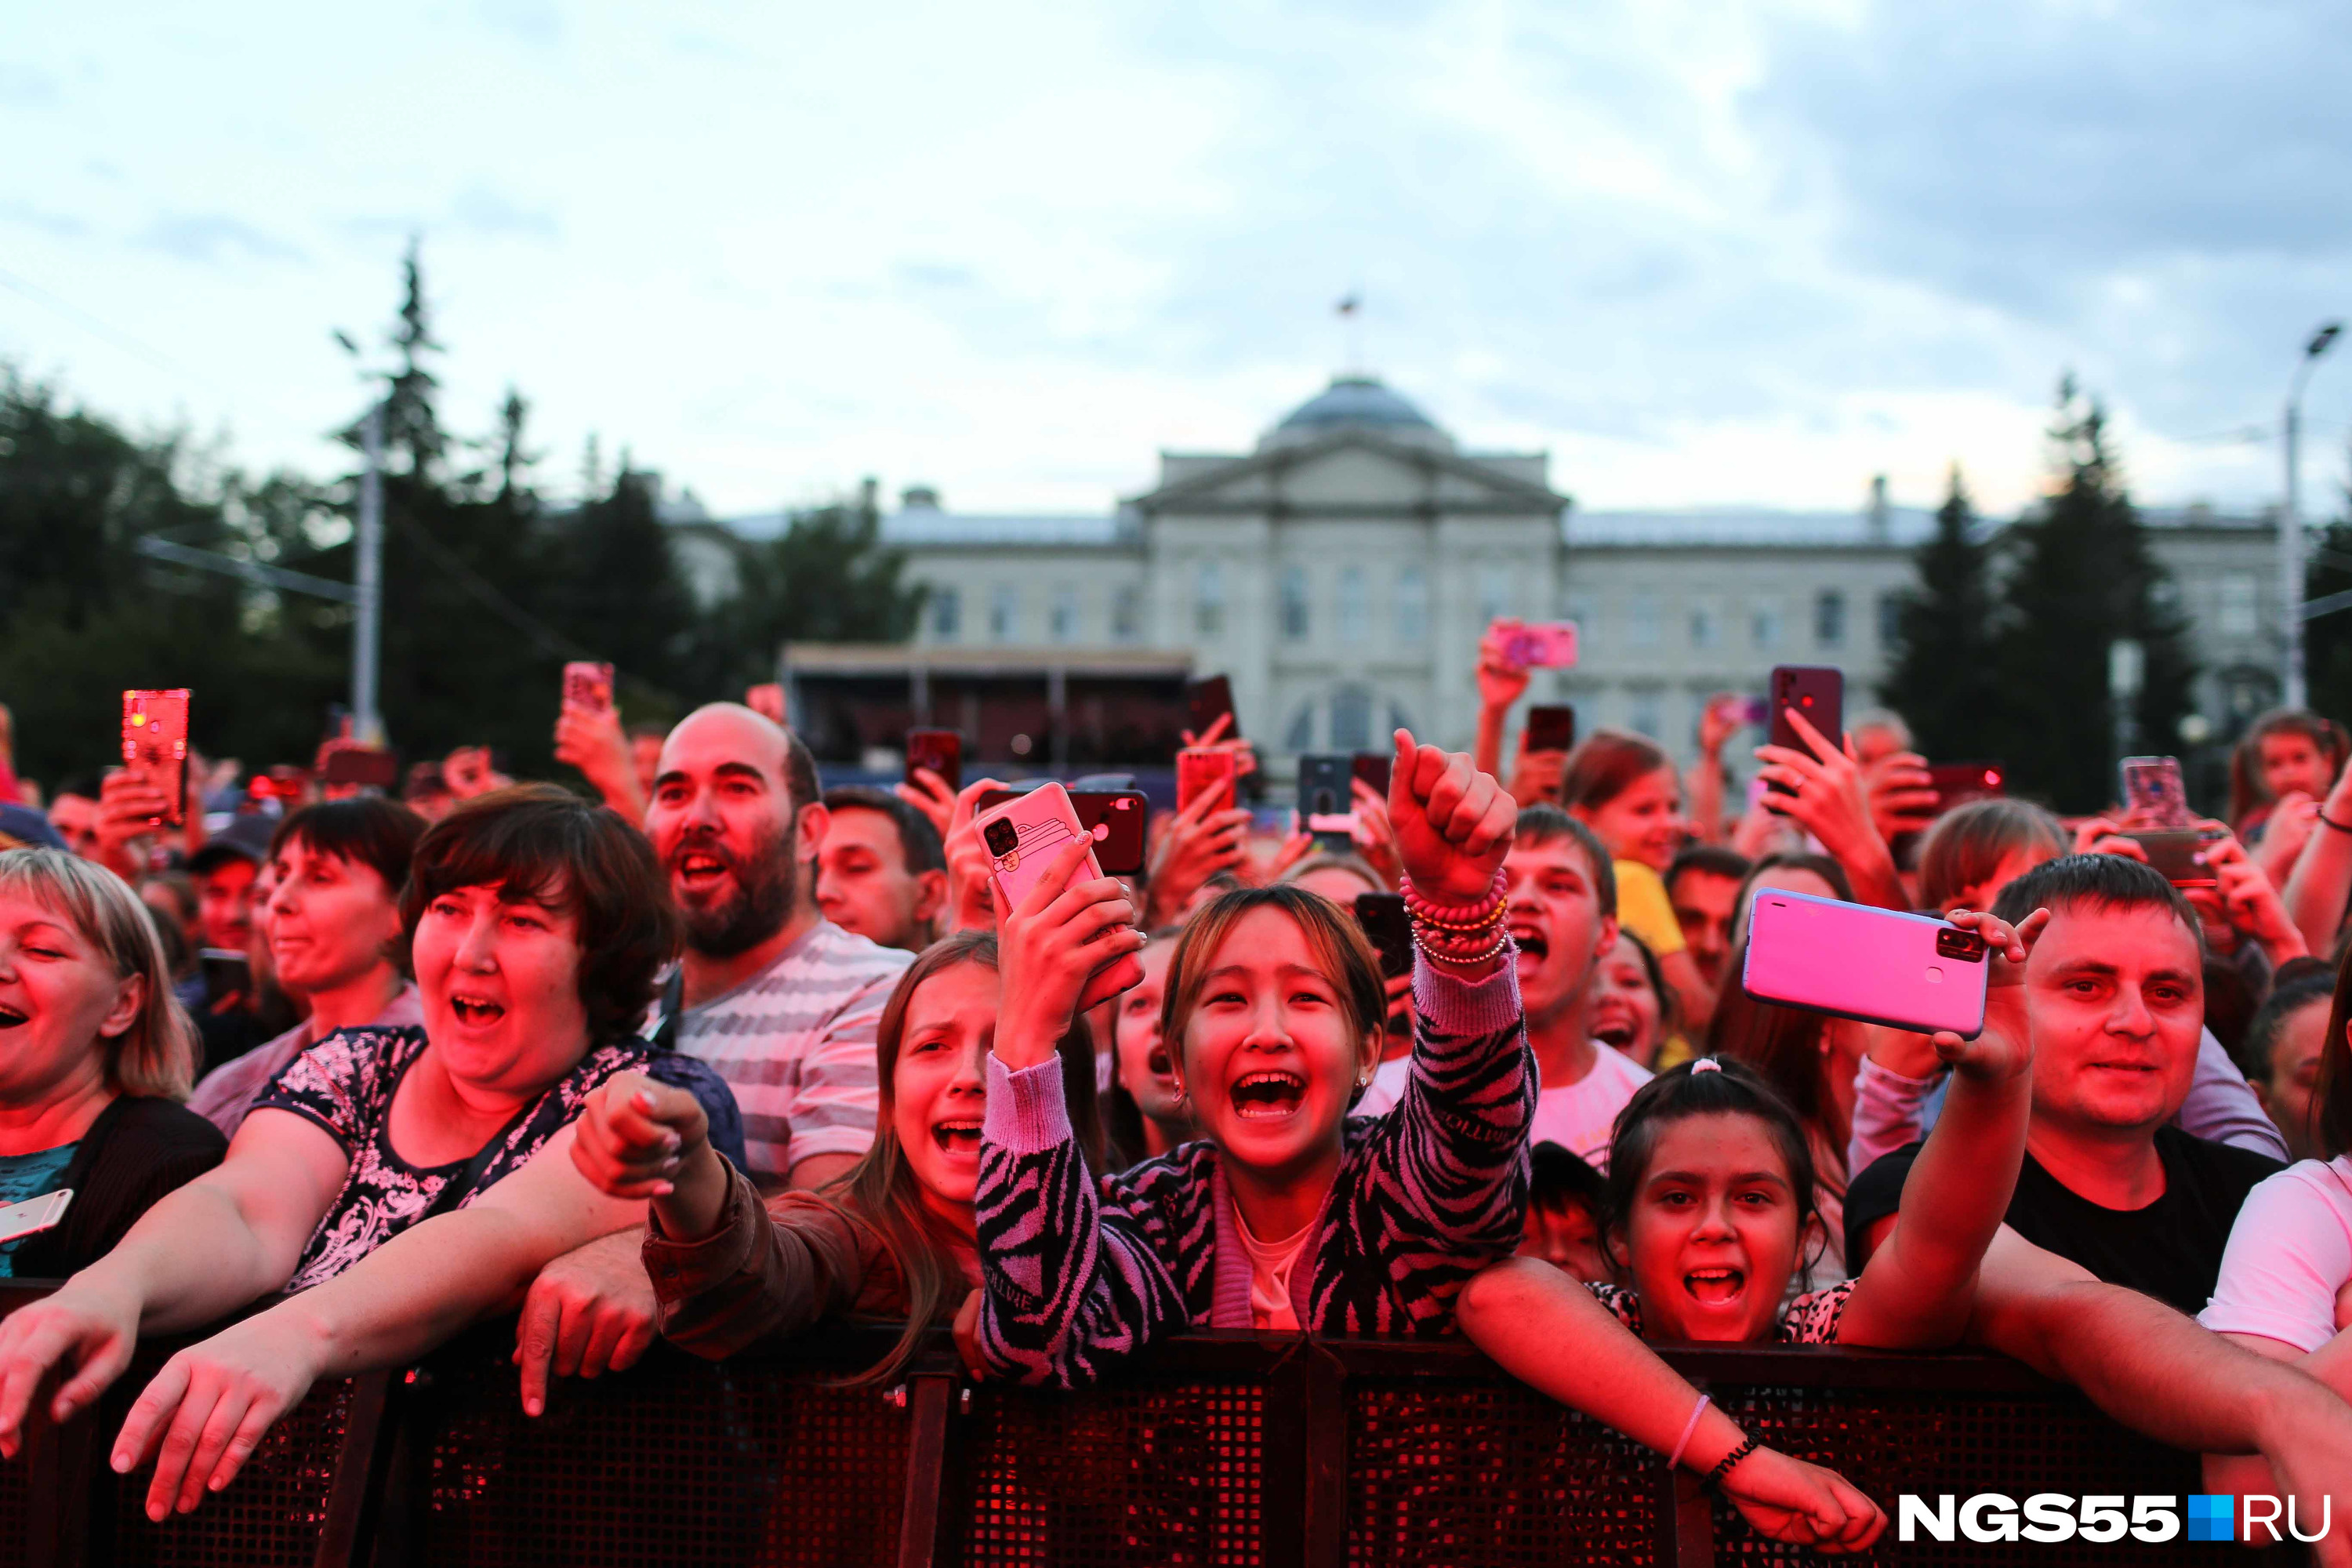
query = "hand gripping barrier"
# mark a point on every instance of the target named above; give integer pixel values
(1224, 1450)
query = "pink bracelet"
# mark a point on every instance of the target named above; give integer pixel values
(1689, 1427)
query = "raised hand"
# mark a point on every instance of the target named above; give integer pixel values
(1068, 945)
(1501, 678)
(1204, 839)
(972, 899)
(634, 1135)
(2003, 1048)
(1825, 797)
(1453, 822)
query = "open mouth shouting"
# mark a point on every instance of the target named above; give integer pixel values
(9, 1017)
(699, 868)
(1532, 945)
(477, 1012)
(1716, 1287)
(1270, 1092)
(957, 1135)
(1159, 1064)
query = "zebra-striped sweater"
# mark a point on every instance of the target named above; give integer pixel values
(1081, 1274)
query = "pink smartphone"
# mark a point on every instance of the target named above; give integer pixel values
(1544, 644)
(1907, 972)
(1023, 836)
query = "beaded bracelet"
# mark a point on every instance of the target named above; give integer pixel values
(1486, 912)
(1445, 953)
(1723, 1466)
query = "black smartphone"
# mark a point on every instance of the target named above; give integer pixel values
(1373, 768)
(1120, 820)
(1326, 806)
(226, 972)
(1816, 691)
(941, 751)
(1390, 928)
(1206, 701)
(2178, 854)
(1551, 727)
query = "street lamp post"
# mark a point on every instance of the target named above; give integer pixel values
(2291, 519)
(367, 567)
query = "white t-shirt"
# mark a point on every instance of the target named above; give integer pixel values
(1581, 1116)
(1271, 1263)
(2290, 1250)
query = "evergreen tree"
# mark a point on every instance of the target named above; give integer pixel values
(827, 578)
(412, 422)
(613, 585)
(1941, 676)
(2082, 577)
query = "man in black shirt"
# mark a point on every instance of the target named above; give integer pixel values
(2115, 998)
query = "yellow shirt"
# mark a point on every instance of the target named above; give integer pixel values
(1643, 910)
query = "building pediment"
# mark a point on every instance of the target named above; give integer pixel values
(1350, 473)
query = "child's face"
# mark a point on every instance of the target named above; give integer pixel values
(1624, 1008)
(1712, 1236)
(1268, 1054)
(1567, 1236)
(938, 1090)
(1145, 1070)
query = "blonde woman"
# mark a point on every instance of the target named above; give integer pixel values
(95, 1056)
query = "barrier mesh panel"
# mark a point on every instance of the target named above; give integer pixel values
(1141, 1473)
(1486, 1473)
(270, 1516)
(676, 1461)
(1932, 1442)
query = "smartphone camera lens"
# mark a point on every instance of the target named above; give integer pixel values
(1001, 837)
(1965, 945)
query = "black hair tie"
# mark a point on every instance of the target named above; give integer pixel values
(1725, 1465)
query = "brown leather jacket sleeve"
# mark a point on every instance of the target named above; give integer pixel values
(769, 1269)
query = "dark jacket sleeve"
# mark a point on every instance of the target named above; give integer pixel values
(136, 1152)
(774, 1269)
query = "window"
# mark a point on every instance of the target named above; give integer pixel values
(1579, 608)
(1766, 625)
(1003, 611)
(1412, 605)
(1062, 615)
(1209, 600)
(1829, 618)
(1890, 620)
(1352, 719)
(1355, 613)
(1641, 713)
(1704, 632)
(1494, 593)
(947, 613)
(1642, 620)
(1291, 600)
(2235, 605)
(1126, 614)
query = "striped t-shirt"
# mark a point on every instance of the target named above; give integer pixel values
(795, 1042)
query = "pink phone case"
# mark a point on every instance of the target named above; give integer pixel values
(1023, 836)
(1907, 972)
(1545, 645)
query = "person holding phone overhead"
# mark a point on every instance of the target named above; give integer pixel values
(95, 1056)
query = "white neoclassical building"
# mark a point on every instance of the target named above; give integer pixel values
(1340, 573)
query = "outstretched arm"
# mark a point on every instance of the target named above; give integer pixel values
(209, 1406)
(1546, 1330)
(2158, 1374)
(1915, 1291)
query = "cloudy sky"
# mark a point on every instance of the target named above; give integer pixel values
(1704, 253)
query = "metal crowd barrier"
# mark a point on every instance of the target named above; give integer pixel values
(1224, 1450)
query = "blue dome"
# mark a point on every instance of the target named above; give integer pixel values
(1358, 400)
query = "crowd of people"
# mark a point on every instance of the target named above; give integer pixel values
(714, 1052)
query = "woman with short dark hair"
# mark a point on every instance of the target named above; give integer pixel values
(404, 1182)
(331, 924)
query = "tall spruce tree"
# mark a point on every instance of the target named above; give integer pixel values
(1942, 677)
(2081, 577)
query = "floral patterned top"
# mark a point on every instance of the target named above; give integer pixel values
(1811, 1320)
(345, 1083)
